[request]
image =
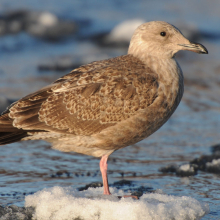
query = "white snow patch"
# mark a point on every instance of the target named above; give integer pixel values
(215, 162)
(48, 19)
(186, 167)
(124, 30)
(59, 203)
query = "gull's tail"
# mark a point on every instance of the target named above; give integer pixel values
(9, 133)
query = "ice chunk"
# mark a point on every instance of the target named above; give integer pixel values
(59, 203)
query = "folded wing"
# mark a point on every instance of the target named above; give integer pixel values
(83, 102)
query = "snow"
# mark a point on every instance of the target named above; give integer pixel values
(186, 167)
(125, 30)
(215, 162)
(60, 203)
(48, 19)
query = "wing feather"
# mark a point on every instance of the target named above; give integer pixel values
(88, 99)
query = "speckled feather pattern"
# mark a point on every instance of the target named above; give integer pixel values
(98, 97)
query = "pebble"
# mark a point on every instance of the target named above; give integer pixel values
(61, 174)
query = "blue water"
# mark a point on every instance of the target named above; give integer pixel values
(27, 167)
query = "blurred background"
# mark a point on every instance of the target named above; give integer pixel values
(41, 40)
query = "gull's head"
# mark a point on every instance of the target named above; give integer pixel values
(161, 39)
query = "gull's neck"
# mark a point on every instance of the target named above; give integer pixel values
(156, 58)
(165, 67)
(169, 74)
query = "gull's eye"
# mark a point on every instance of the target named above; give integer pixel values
(163, 34)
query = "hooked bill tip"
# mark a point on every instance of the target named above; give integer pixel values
(195, 47)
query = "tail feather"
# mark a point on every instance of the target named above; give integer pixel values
(9, 133)
(24, 117)
(6, 124)
(10, 137)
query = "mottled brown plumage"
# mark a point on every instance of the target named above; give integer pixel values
(106, 105)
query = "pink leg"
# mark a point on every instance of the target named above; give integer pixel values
(103, 167)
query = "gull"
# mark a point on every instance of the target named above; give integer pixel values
(109, 104)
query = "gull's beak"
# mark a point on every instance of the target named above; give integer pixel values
(194, 47)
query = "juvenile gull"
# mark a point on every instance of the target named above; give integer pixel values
(106, 105)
